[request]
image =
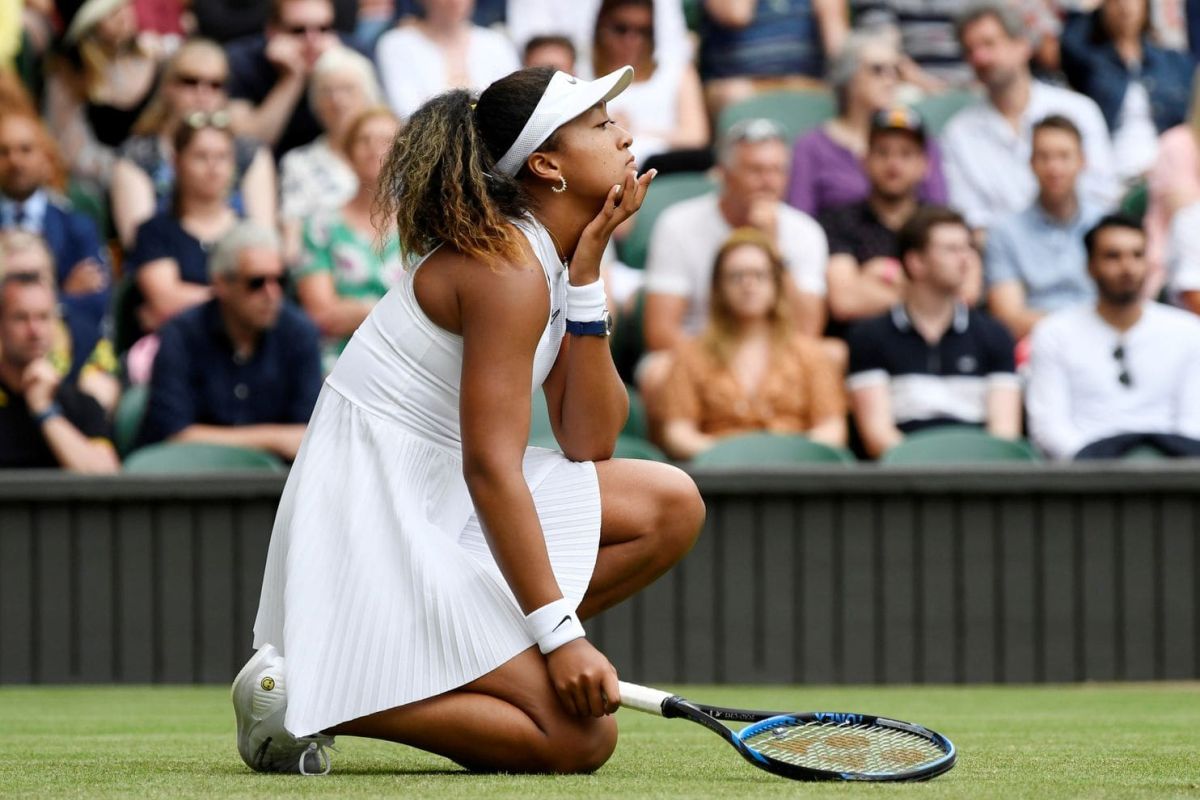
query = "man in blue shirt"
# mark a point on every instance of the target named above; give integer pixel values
(1035, 261)
(27, 203)
(242, 369)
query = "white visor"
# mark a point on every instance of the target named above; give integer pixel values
(565, 98)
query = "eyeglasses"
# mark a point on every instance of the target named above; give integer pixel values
(196, 81)
(624, 29)
(301, 30)
(1123, 376)
(746, 277)
(880, 69)
(259, 282)
(203, 119)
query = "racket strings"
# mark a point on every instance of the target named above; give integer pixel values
(846, 747)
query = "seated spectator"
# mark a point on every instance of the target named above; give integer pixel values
(1173, 182)
(441, 50)
(29, 201)
(271, 71)
(95, 370)
(243, 369)
(663, 109)
(864, 275)
(1120, 373)
(987, 145)
(229, 20)
(44, 420)
(170, 258)
(1142, 89)
(347, 266)
(99, 84)
(550, 50)
(1035, 261)
(753, 164)
(527, 20)
(750, 370)
(747, 47)
(144, 176)
(932, 57)
(315, 177)
(827, 162)
(1184, 252)
(932, 360)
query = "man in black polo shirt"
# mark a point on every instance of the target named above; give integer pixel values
(242, 369)
(44, 421)
(931, 360)
(864, 276)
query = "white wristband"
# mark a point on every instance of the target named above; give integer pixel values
(586, 303)
(553, 625)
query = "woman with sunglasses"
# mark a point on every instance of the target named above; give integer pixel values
(346, 264)
(441, 50)
(664, 107)
(428, 570)
(193, 82)
(827, 166)
(169, 261)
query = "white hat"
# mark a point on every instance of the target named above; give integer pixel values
(89, 15)
(565, 98)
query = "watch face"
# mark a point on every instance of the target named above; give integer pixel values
(608, 323)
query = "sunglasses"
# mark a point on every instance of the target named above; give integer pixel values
(755, 130)
(259, 282)
(202, 119)
(1123, 376)
(195, 82)
(301, 30)
(624, 29)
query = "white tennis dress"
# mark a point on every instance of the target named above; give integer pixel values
(380, 589)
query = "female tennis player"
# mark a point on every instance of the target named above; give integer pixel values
(427, 570)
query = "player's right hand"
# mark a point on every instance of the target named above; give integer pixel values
(586, 682)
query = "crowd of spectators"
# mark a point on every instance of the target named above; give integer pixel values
(187, 192)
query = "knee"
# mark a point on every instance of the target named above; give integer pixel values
(680, 512)
(585, 749)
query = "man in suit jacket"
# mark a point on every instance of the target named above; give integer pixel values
(28, 203)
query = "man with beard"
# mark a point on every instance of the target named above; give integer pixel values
(1119, 374)
(987, 146)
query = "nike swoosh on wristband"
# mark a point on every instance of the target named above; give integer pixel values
(560, 624)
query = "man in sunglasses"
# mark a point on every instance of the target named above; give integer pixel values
(242, 369)
(1122, 373)
(272, 71)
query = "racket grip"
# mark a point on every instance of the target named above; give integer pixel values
(643, 698)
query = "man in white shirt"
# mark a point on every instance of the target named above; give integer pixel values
(988, 145)
(1122, 373)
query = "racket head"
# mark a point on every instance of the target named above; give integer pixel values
(825, 745)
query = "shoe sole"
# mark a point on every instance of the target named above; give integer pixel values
(242, 686)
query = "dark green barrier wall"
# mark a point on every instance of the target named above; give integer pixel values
(866, 575)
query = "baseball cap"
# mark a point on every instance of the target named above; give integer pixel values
(565, 98)
(900, 119)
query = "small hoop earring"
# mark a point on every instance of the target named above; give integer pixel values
(562, 188)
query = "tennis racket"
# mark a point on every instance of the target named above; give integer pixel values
(815, 745)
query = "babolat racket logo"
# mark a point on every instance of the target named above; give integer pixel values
(838, 718)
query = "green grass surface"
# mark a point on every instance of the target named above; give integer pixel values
(1109, 741)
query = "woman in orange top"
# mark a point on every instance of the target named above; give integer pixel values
(750, 370)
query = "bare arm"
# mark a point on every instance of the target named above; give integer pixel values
(333, 314)
(132, 200)
(857, 293)
(691, 122)
(662, 320)
(1191, 301)
(282, 440)
(166, 293)
(268, 120)
(1006, 302)
(683, 439)
(731, 13)
(258, 189)
(835, 24)
(808, 310)
(1004, 411)
(872, 406)
(830, 431)
(75, 451)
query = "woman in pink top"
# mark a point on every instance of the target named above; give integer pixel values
(1174, 182)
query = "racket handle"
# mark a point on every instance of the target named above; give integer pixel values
(643, 698)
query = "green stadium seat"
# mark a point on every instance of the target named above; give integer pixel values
(128, 417)
(92, 203)
(169, 457)
(1144, 452)
(637, 424)
(771, 449)
(1136, 200)
(539, 417)
(937, 109)
(125, 299)
(958, 445)
(663, 192)
(798, 111)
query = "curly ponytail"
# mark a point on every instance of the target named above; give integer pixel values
(440, 181)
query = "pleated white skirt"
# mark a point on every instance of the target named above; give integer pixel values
(380, 588)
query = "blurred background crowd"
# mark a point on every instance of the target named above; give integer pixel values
(880, 228)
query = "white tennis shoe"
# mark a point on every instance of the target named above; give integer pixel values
(260, 702)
